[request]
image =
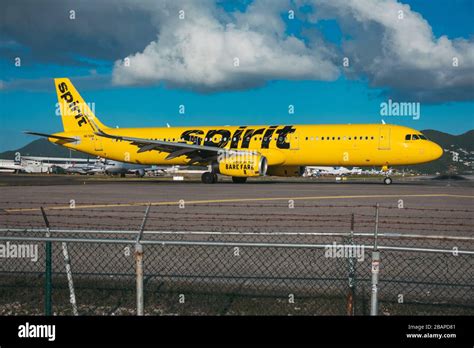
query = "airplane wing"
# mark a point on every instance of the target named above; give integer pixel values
(196, 153)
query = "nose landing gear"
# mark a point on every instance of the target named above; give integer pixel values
(387, 180)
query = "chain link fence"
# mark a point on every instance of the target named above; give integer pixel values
(235, 259)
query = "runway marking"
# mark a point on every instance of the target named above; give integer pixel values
(230, 200)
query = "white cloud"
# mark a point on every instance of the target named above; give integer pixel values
(395, 48)
(400, 55)
(200, 51)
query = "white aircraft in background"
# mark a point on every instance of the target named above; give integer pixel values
(24, 165)
(338, 171)
(37, 164)
(120, 168)
(10, 166)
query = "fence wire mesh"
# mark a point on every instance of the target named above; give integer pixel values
(240, 259)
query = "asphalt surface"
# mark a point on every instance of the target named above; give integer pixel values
(273, 211)
(422, 206)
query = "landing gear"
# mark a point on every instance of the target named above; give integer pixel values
(239, 179)
(387, 180)
(209, 178)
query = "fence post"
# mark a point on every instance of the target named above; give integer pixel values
(351, 260)
(139, 272)
(139, 264)
(72, 293)
(48, 269)
(375, 267)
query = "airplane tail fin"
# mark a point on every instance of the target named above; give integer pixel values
(76, 115)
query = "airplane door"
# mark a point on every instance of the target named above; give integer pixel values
(384, 138)
(294, 141)
(97, 143)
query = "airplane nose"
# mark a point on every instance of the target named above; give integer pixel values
(437, 151)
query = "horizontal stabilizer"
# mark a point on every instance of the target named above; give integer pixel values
(52, 136)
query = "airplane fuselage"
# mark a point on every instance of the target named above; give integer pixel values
(289, 145)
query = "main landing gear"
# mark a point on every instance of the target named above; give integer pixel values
(209, 178)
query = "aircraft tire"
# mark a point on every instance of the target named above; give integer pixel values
(207, 178)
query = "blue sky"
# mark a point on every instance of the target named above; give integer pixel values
(27, 96)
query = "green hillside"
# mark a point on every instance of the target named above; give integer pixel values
(462, 144)
(42, 147)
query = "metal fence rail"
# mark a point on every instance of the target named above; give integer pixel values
(137, 268)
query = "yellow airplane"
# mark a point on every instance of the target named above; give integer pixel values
(240, 151)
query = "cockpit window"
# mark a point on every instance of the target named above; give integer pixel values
(415, 137)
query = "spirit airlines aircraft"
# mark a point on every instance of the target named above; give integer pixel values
(240, 151)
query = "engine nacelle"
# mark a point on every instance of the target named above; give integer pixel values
(286, 170)
(242, 165)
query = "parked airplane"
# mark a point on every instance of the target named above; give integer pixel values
(240, 151)
(122, 168)
(312, 171)
(25, 165)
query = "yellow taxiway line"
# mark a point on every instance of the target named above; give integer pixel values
(230, 200)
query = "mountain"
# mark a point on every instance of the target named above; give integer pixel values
(462, 144)
(465, 140)
(43, 148)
